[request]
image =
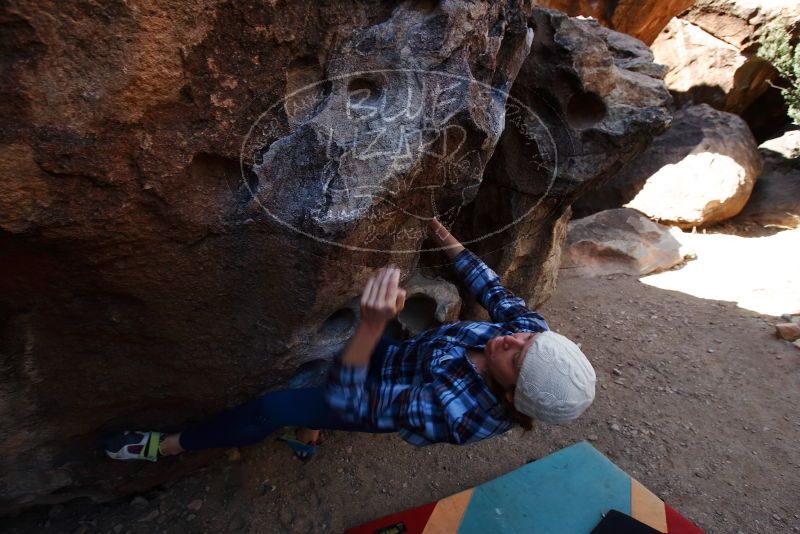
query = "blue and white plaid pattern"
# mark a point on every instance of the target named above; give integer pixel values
(429, 390)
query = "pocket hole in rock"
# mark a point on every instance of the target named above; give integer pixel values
(585, 109)
(361, 91)
(419, 314)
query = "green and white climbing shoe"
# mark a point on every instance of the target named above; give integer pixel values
(134, 445)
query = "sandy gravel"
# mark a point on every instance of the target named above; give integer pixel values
(702, 408)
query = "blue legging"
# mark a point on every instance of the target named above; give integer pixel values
(256, 419)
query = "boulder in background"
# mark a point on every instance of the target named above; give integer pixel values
(775, 200)
(699, 172)
(711, 50)
(618, 241)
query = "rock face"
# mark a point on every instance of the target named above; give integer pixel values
(194, 196)
(618, 241)
(711, 51)
(776, 196)
(699, 172)
(642, 20)
(149, 282)
(586, 102)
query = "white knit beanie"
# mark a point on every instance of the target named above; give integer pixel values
(556, 382)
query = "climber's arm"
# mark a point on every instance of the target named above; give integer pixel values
(444, 238)
(484, 284)
(381, 300)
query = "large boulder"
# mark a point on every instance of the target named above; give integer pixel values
(618, 241)
(699, 172)
(775, 200)
(711, 50)
(194, 196)
(641, 19)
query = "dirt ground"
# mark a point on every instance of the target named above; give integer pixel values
(696, 398)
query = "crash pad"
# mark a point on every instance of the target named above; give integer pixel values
(566, 492)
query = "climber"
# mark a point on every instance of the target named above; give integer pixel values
(457, 383)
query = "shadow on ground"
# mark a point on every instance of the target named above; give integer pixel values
(697, 399)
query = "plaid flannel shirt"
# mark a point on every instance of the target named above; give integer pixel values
(429, 390)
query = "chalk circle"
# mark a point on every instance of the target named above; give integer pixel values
(266, 129)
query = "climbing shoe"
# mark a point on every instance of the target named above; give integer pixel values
(134, 445)
(303, 451)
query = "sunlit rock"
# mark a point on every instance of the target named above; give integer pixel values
(618, 241)
(700, 171)
(711, 51)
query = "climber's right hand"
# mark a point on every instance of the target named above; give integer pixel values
(442, 237)
(437, 231)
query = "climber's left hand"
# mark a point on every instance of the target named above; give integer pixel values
(381, 301)
(382, 298)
